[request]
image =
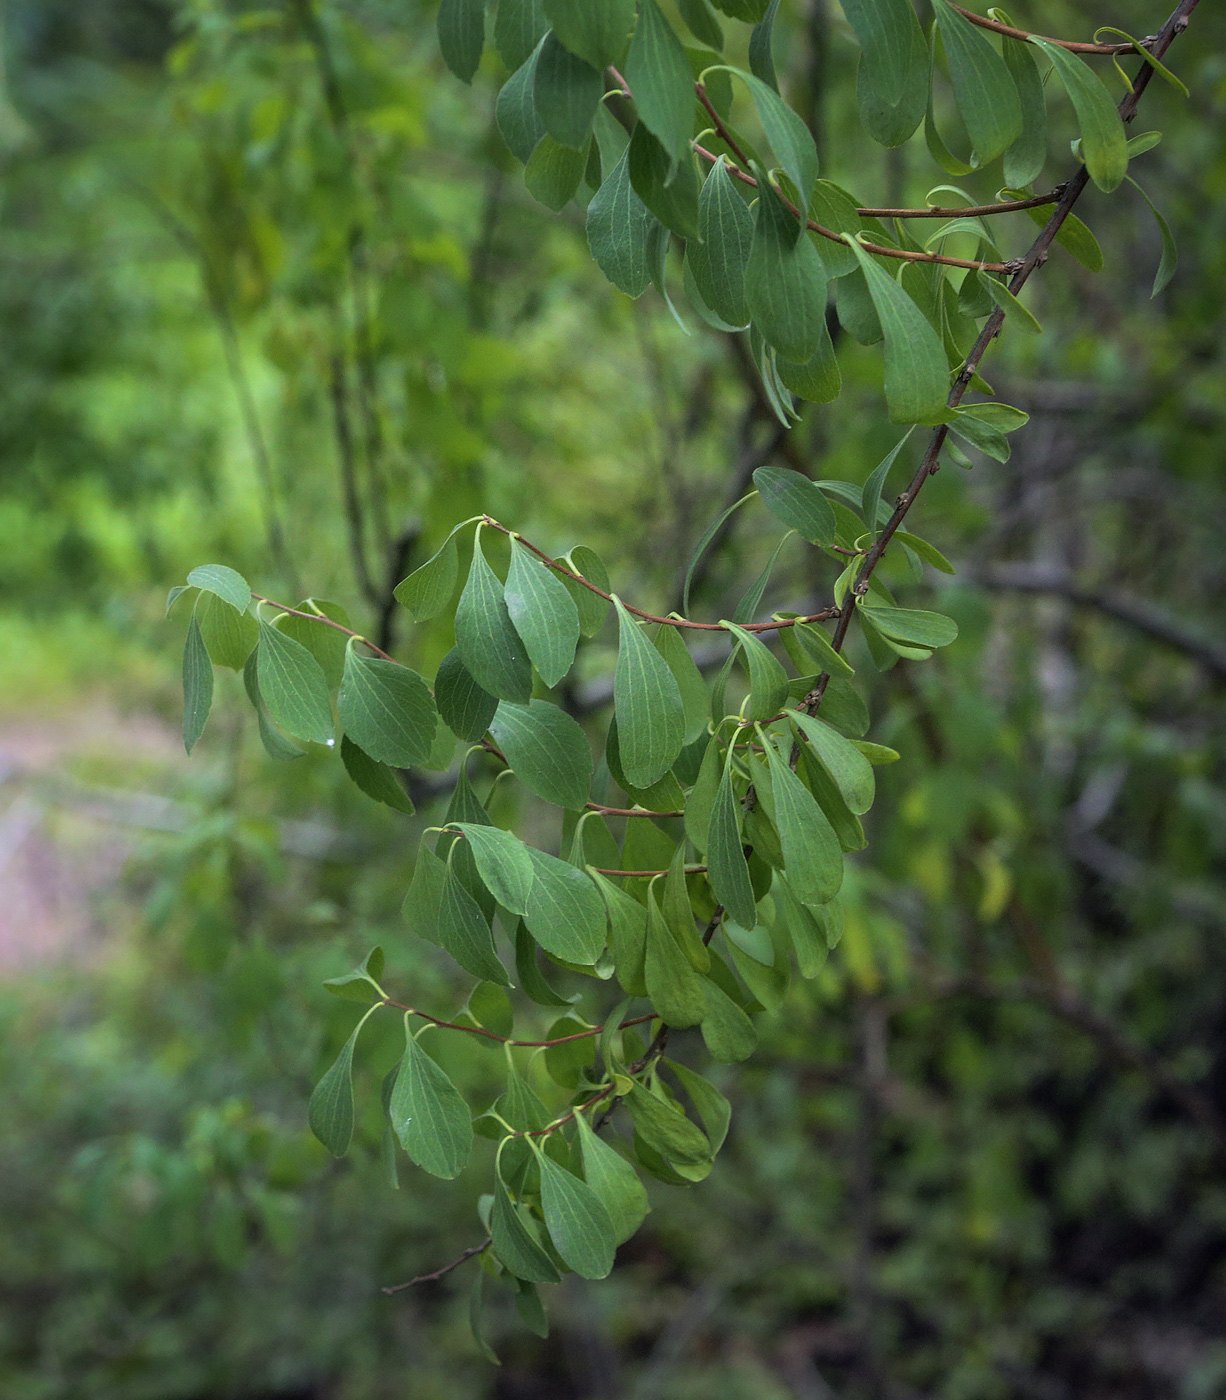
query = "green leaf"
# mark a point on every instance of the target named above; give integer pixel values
(800, 925)
(981, 435)
(326, 644)
(796, 502)
(702, 23)
(669, 643)
(223, 583)
(785, 282)
(768, 681)
(790, 138)
(228, 636)
(614, 1181)
(618, 223)
(548, 751)
(567, 92)
(503, 862)
(592, 607)
(565, 914)
(553, 173)
(375, 779)
(851, 771)
(983, 85)
(577, 1221)
(197, 685)
(673, 985)
(515, 110)
(476, 1303)
(543, 613)
(701, 548)
(728, 1033)
(530, 1308)
(531, 979)
(427, 591)
(627, 934)
(486, 638)
(466, 708)
(429, 1114)
(761, 52)
(1170, 254)
(718, 257)
(870, 497)
(462, 930)
(751, 11)
(1022, 316)
(678, 913)
(812, 857)
(387, 710)
(461, 35)
(330, 1111)
(1103, 138)
(423, 902)
(668, 188)
(816, 646)
(362, 984)
(921, 629)
(727, 868)
(513, 1243)
(818, 380)
(892, 82)
(916, 370)
(519, 26)
(293, 686)
(665, 1127)
(647, 701)
(596, 30)
(276, 745)
(660, 77)
(714, 1110)
(1025, 158)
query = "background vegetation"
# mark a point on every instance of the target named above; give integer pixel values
(274, 294)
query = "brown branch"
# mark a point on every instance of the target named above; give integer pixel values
(1033, 260)
(645, 874)
(468, 1254)
(506, 1039)
(682, 622)
(1007, 206)
(1073, 45)
(629, 811)
(327, 622)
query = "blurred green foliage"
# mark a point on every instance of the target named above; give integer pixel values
(983, 1157)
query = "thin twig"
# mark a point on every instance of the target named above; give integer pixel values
(629, 811)
(468, 1254)
(327, 622)
(506, 1039)
(1073, 45)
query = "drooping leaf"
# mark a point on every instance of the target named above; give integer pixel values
(627, 935)
(1025, 158)
(486, 638)
(761, 51)
(1170, 254)
(554, 172)
(362, 984)
(916, 372)
(531, 979)
(1020, 316)
(427, 590)
(229, 636)
(519, 26)
(818, 379)
(693, 689)
(785, 282)
(375, 779)
(461, 35)
(719, 255)
(711, 1106)
(565, 914)
(909, 625)
(1104, 142)
(847, 766)
(523, 1255)
(727, 868)
(547, 749)
(647, 701)
(666, 1128)
(593, 608)
(983, 85)
(543, 612)
(293, 686)
(578, 1223)
(870, 497)
(567, 92)
(768, 681)
(387, 710)
(728, 1033)
(660, 77)
(790, 138)
(701, 547)
(515, 110)
(429, 1115)
(673, 985)
(466, 708)
(223, 583)
(812, 857)
(797, 502)
(702, 23)
(892, 80)
(614, 1181)
(197, 685)
(463, 931)
(503, 863)
(618, 223)
(596, 30)
(668, 188)
(330, 1111)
